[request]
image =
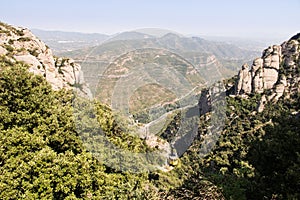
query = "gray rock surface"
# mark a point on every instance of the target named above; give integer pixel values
(276, 71)
(20, 44)
(245, 78)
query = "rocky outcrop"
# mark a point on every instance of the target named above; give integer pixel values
(244, 85)
(263, 73)
(19, 44)
(274, 74)
(257, 74)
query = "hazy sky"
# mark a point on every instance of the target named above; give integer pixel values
(244, 18)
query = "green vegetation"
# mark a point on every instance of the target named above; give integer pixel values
(24, 39)
(257, 156)
(155, 73)
(9, 48)
(41, 155)
(7, 29)
(140, 100)
(49, 141)
(10, 41)
(33, 52)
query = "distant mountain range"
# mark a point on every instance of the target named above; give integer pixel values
(61, 41)
(207, 57)
(77, 40)
(106, 57)
(128, 41)
(156, 32)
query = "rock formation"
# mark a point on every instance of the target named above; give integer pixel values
(274, 74)
(19, 44)
(244, 85)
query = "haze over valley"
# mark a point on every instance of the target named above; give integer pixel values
(97, 104)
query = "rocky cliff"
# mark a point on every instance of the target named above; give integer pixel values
(19, 44)
(275, 74)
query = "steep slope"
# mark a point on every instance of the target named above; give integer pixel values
(19, 44)
(275, 74)
(255, 155)
(41, 153)
(41, 156)
(147, 79)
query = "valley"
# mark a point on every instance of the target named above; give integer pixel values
(212, 61)
(146, 114)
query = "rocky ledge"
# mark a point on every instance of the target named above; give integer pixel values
(19, 44)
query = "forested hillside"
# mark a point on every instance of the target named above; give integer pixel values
(46, 154)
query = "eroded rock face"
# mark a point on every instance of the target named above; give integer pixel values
(271, 59)
(270, 77)
(257, 75)
(277, 72)
(244, 85)
(205, 102)
(263, 73)
(20, 44)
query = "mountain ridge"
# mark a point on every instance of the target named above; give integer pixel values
(274, 75)
(94, 60)
(20, 45)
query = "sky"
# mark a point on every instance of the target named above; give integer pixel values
(237, 18)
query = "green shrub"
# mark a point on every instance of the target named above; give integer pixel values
(24, 39)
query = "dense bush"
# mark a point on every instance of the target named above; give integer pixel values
(45, 153)
(41, 155)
